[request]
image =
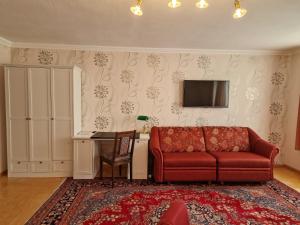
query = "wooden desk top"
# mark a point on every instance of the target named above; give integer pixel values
(84, 135)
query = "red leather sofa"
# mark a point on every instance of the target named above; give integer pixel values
(210, 154)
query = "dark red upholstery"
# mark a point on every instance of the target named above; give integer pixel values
(232, 158)
(241, 160)
(176, 214)
(193, 159)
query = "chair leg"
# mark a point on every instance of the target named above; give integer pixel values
(112, 176)
(131, 171)
(120, 170)
(101, 167)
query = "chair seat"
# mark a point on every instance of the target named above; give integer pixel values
(241, 160)
(189, 159)
(109, 156)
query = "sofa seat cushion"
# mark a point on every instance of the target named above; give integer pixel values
(189, 159)
(226, 139)
(181, 139)
(241, 160)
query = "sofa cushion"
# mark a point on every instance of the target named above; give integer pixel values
(241, 160)
(226, 139)
(189, 159)
(181, 139)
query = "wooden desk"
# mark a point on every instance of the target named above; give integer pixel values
(86, 156)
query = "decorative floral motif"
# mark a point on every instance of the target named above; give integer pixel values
(204, 62)
(276, 108)
(127, 107)
(101, 91)
(274, 138)
(176, 108)
(153, 121)
(127, 76)
(153, 61)
(152, 92)
(100, 59)
(277, 78)
(181, 139)
(101, 122)
(229, 139)
(45, 57)
(177, 76)
(252, 93)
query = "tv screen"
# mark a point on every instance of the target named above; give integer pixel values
(206, 93)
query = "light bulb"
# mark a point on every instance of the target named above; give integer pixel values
(202, 4)
(137, 9)
(174, 4)
(238, 12)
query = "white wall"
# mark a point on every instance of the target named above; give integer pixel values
(4, 58)
(292, 156)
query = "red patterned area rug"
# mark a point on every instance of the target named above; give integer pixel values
(95, 202)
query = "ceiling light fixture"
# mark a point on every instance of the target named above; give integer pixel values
(202, 4)
(238, 12)
(137, 9)
(174, 4)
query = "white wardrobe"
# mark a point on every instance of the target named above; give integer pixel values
(43, 112)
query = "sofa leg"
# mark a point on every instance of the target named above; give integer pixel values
(222, 182)
(209, 182)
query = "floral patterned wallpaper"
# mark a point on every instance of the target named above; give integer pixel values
(118, 86)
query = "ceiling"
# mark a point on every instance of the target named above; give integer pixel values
(269, 24)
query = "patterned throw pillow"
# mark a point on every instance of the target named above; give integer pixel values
(226, 139)
(181, 139)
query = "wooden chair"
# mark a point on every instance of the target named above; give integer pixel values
(176, 214)
(118, 152)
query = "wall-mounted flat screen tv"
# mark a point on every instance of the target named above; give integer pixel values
(206, 93)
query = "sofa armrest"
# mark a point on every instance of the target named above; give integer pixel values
(265, 149)
(158, 156)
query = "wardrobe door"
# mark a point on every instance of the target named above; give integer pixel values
(39, 114)
(17, 117)
(62, 146)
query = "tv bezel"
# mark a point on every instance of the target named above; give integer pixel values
(200, 106)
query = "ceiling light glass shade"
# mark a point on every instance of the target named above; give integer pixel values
(174, 4)
(238, 12)
(202, 4)
(137, 9)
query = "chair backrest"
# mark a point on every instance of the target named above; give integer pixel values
(176, 214)
(124, 144)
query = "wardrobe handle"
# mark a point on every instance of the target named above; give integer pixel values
(41, 162)
(52, 118)
(19, 162)
(62, 162)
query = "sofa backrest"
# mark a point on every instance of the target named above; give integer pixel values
(226, 139)
(181, 139)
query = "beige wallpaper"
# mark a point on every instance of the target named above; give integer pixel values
(116, 87)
